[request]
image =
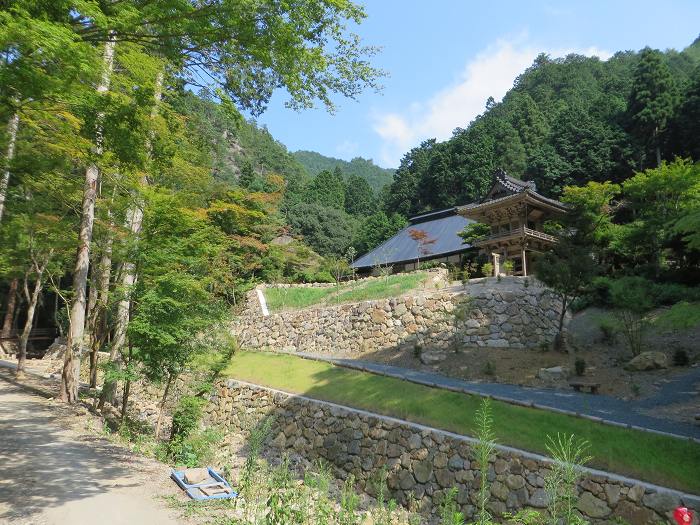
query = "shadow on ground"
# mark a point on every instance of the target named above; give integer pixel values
(43, 466)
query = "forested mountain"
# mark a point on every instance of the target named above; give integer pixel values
(315, 163)
(565, 121)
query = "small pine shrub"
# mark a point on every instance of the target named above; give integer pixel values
(487, 269)
(608, 331)
(489, 369)
(186, 417)
(580, 366)
(680, 358)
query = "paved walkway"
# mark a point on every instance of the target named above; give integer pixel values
(678, 390)
(54, 475)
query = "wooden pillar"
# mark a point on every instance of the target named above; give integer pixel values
(524, 256)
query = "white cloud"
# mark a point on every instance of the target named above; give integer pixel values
(347, 148)
(490, 73)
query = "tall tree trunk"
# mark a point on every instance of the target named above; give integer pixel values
(134, 221)
(10, 311)
(71, 363)
(161, 408)
(127, 387)
(97, 321)
(12, 126)
(32, 300)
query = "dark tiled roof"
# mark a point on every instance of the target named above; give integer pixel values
(442, 225)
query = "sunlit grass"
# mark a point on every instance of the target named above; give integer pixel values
(682, 315)
(650, 457)
(361, 290)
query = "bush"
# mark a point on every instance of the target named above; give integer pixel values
(580, 366)
(680, 358)
(186, 417)
(632, 299)
(487, 269)
(608, 331)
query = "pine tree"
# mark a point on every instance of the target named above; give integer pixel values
(653, 99)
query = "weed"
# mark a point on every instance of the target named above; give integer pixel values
(580, 366)
(449, 515)
(484, 448)
(489, 369)
(560, 483)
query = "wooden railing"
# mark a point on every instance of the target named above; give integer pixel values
(520, 231)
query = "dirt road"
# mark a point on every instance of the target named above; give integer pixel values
(51, 473)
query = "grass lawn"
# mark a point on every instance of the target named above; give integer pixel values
(682, 315)
(658, 459)
(361, 290)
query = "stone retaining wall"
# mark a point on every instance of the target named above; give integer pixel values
(511, 313)
(422, 462)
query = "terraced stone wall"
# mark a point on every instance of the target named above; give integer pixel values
(510, 313)
(423, 462)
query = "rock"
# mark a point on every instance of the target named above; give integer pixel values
(422, 471)
(539, 499)
(661, 502)
(632, 513)
(555, 373)
(648, 361)
(414, 441)
(592, 507)
(635, 493)
(406, 481)
(432, 357)
(195, 475)
(515, 482)
(612, 492)
(499, 490)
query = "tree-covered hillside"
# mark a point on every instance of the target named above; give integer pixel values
(315, 163)
(565, 121)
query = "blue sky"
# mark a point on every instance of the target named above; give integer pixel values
(446, 57)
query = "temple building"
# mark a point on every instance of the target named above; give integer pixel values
(513, 210)
(516, 214)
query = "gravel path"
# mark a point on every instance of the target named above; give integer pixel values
(54, 474)
(679, 390)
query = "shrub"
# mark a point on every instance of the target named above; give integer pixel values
(608, 331)
(680, 358)
(508, 267)
(186, 417)
(580, 366)
(487, 269)
(489, 369)
(632, 299)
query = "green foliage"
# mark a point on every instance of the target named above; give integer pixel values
(653, 98)
(359, 198)
(329, 231)
(449, 515)
(186, 416)
(327, 189)
(375, 229)
(484, 447)
(487, 269)
(580, 366)
(358, 167)
(680, 316)
(474, 231)
(561, 481)
(632, 300)
(508, 266)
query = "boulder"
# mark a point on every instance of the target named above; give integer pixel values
(648, 361)
(592, 506)
(431, 357)
(196, 475)
(555, 373)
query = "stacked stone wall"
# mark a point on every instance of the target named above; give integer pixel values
(511, 313)
(421, 462)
